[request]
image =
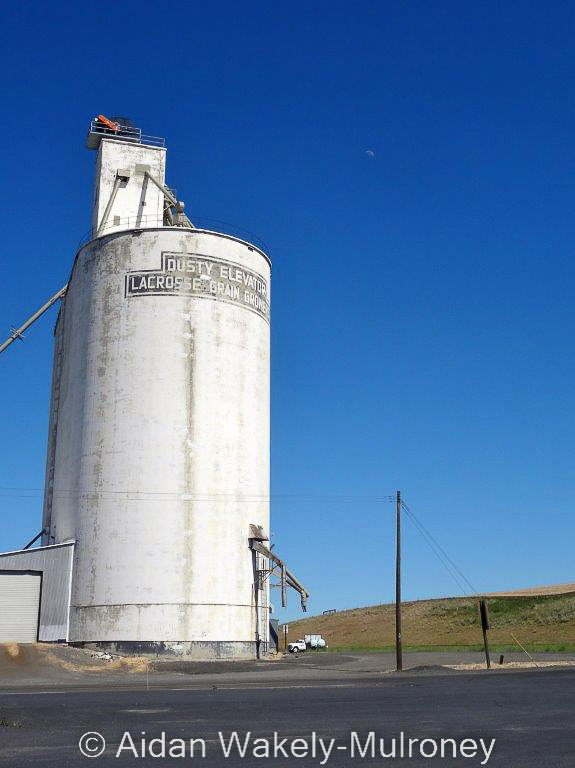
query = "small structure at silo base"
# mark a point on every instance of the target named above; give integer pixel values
(35, 594)
(158, 463)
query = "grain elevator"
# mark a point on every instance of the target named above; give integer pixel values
(158, 464)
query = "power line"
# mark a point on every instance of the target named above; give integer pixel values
(455, 572)
(437, 553)
(442, 555)
(133, 494)
(158, 496)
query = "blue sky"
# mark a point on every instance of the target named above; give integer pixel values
(423, 296)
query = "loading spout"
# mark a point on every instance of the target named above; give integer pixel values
(256, 542)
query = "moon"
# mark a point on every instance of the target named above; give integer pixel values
(370, 152)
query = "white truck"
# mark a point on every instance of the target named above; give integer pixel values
(297, 647)
(308, 641)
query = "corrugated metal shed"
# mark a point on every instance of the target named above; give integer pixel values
(55, 564)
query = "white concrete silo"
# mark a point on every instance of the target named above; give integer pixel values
(158, 458)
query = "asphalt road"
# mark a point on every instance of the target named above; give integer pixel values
(530, 714)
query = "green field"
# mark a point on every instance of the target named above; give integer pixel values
(539, 623)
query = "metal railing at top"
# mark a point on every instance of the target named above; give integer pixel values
(201, 223)
(125, 133)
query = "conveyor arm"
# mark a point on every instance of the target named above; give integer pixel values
(180, 220)
(17, 333)
(166, 192)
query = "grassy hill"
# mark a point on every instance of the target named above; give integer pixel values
(539, 622)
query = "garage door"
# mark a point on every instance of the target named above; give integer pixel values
(19, 606)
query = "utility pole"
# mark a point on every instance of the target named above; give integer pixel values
(398, 649)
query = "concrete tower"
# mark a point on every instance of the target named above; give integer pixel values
(159, 443)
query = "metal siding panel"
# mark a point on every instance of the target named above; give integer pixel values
(19, 606)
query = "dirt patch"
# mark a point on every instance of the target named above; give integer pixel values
(125, 664)
(512, 665)
(45, 661)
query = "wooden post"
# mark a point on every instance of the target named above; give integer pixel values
(398, 647)
(485, 627)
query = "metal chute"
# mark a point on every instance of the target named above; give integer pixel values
(256, 542)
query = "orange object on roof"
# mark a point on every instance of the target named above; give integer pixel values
(109, 123)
